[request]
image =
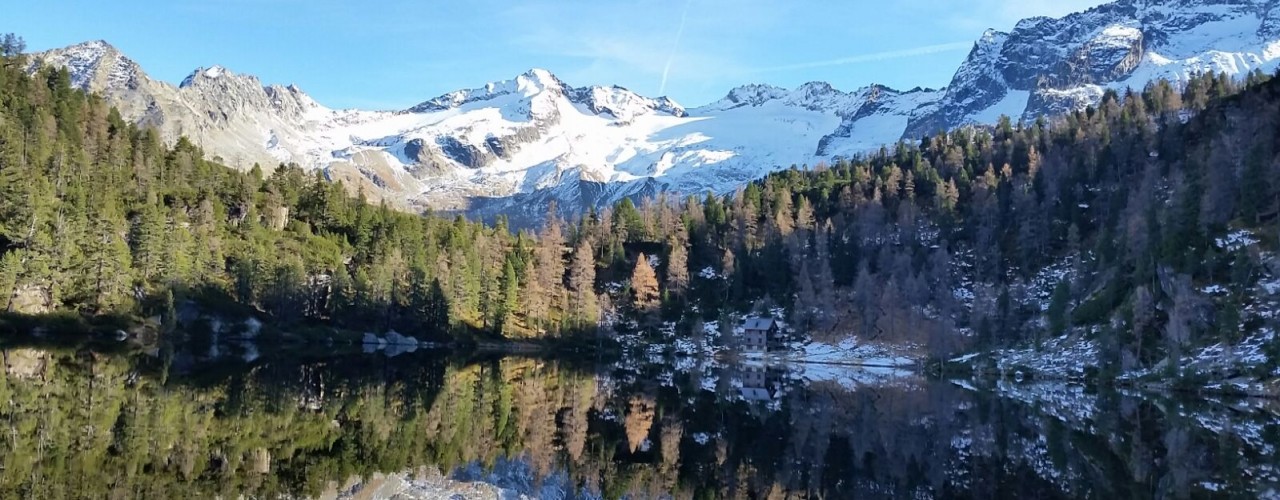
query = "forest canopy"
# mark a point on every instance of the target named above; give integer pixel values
(1104, 221)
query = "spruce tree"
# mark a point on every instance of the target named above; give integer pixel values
(508, 299)
(1057, 311)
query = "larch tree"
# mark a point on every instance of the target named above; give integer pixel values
(678, 264)
(644, 286)
(582, 278)
(545, 296)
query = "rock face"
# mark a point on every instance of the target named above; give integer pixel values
(260, 462)
(24, 363)
(232, 116)
(1047, 66)
(31, 299)
(513, 146)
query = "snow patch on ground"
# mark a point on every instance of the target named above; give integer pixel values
(853, 377)
(851, 351)
(1064, 357)
(1067, 402)
(1236, 240)
(1012, 105)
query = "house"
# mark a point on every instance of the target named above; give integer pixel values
(758, 334)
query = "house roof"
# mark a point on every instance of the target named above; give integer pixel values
(755, 394)
(758, 324)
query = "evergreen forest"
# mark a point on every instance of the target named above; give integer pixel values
(1146, 223)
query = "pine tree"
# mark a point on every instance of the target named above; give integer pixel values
(179, 249)
(208, 260)
(10, 269)
(12, 45)
(341, 300)
(148, 241)
(107, 259)
(436, 312)
(805, 305)
(509, 287)
(1255, 187)
(1058, 304)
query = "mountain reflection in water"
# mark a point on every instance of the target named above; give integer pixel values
(84, 424)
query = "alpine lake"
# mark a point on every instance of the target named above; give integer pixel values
(238, 420)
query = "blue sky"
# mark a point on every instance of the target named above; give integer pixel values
(395, 53)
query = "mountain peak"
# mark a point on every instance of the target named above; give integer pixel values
(816, 88)
(621, 103)
(1028, 23)
(214, 71)
(89, 52)
(94, 65)
(541, 75)
(533, 81)
(754, 94)
(217, 73)
(994, 36)
(98, 45)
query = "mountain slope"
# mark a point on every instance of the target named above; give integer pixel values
(1049, 66)
(517, 144)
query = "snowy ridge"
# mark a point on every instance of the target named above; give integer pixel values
(97, 64)
(1049, 66)
(513, 146)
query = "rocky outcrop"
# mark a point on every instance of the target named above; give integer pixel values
(31, 299)
(1048, 66)
(25, 363)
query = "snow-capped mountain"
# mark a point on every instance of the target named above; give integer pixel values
(512, 146)
(1047, 66)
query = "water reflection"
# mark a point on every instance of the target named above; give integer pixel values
(82, 424)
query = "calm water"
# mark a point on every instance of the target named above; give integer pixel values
(133, 425)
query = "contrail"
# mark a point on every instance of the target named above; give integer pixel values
(662, 89)
(875, 56)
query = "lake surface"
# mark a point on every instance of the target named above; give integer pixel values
(86, 424)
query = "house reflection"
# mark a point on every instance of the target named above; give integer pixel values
(758, 383)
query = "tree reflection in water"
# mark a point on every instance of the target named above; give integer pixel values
(81, 424)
